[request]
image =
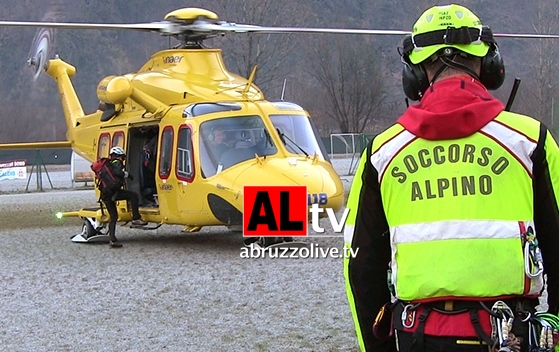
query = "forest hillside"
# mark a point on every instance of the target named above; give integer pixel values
(349, 83)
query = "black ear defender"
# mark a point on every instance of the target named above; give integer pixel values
(414, 78)
(492, 68)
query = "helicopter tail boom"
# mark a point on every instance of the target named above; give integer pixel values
(61, 72)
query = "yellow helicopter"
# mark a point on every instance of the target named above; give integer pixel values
(169, 116)
(194, 133)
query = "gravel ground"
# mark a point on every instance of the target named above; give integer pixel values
(162, 291)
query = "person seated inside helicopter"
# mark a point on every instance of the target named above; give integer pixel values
(217, 143)
(147, 174)
(244, 149)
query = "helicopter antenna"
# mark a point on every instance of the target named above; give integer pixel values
(283, 88)
(250, 81)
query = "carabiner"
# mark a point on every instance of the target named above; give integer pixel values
(411, 308)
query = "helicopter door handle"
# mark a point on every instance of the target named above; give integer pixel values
(182, 186)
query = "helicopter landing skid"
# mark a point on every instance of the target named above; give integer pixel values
(145, 227)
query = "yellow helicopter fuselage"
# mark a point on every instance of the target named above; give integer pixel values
(178, 99)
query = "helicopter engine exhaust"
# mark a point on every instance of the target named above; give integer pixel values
(114, 89)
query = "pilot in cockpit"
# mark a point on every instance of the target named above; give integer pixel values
(217, 143)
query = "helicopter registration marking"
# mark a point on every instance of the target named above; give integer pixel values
(172, 59)
(317, 198)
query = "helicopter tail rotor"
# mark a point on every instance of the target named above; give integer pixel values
(41, 49)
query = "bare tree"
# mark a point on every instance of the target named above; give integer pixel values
(352, 79)
(270, 52)
(545, 78)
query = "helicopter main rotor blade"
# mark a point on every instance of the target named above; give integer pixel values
(163, 27)
(525, 35)
(201, 26)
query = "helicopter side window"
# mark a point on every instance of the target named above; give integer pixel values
(118, 139)
(103, 146)
(166, 152)
(185, 169)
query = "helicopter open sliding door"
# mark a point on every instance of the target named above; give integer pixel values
(141, 162)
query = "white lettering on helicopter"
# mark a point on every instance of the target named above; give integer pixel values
(166, 187)
(172, 59)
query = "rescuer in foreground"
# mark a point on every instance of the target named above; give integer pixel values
(457, 205)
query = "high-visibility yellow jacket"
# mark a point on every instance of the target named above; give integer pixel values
(453, 215)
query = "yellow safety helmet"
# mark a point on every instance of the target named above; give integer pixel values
(448, 26)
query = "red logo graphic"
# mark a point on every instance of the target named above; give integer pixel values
(275, 211)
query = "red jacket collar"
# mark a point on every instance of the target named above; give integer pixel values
(451, 108)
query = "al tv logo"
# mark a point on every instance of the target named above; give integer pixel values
(282, 211)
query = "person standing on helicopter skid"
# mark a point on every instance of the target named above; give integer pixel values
(116, 164)
(457, 203)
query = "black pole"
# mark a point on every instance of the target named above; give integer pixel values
(512, 94)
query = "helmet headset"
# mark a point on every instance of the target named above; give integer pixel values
(441, 33)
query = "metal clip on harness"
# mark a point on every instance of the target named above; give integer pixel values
(533, 261)
(501, 327)
(409, 309)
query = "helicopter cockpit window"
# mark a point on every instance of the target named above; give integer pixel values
(185, 170)
(299, 135)
(166, 153)
(208, 108)
(226, 142)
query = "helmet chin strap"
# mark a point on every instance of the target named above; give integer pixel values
(437, 74)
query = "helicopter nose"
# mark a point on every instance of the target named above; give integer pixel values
(324, 187)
